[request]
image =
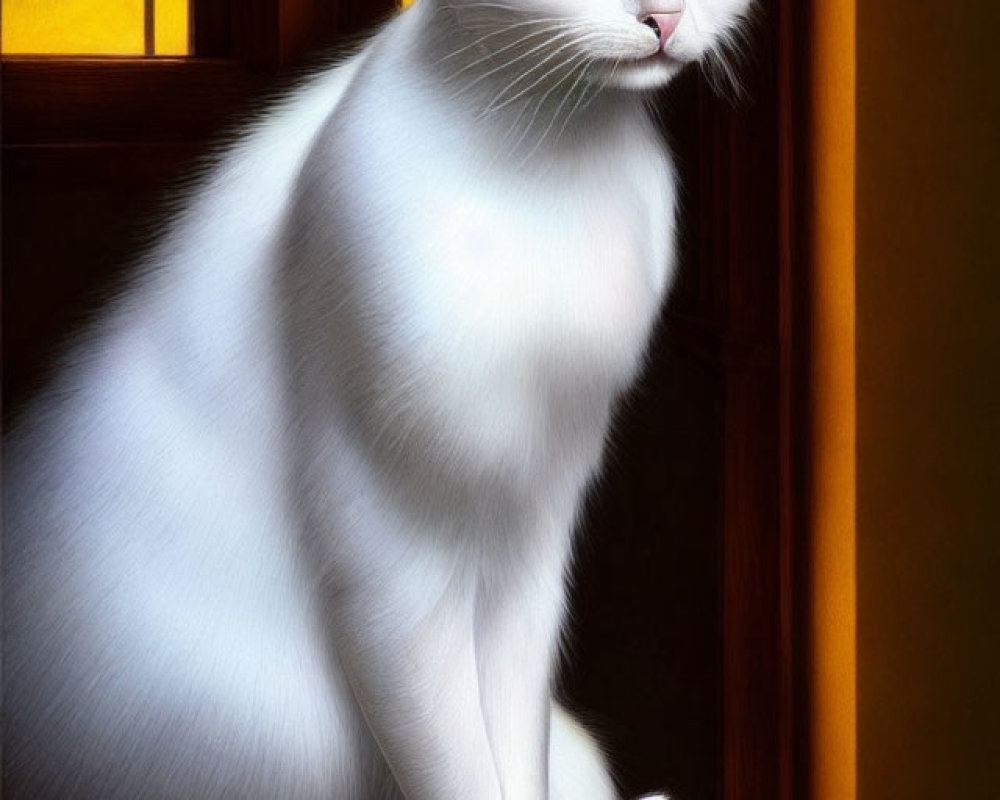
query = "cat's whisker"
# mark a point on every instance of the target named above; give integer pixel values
(551, 23)
(508, 151)
(738, 43)
(580, 71)
(554, 31)
(608, 78)
(493, 34)
(510, 62)
(579, 99)
(531, 124)
(517, 121)
(494, 106)
(515, 10)
(722, 76)
(614, 71)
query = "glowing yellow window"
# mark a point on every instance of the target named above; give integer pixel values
(95, 27)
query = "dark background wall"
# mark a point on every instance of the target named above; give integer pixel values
(928, 287)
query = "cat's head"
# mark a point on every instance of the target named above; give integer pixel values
(636, 44)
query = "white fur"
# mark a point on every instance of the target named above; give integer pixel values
(294, 522)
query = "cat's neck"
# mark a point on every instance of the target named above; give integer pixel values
(509, 82)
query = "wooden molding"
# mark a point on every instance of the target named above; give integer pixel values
(753, 275)
(50, 101)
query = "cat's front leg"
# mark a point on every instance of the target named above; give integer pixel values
(405, 636)
(518, 611)
(418, 688)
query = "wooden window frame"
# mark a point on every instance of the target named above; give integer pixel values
(74, 100)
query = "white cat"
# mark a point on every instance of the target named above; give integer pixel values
(295, 519)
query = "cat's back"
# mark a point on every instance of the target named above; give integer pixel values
(149, 547)
(187, 359)
(179, 385)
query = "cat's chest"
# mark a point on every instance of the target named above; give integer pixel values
(568, 271)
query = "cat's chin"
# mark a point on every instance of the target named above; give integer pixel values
(653, 72)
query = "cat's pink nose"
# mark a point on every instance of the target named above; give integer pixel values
(663, 25)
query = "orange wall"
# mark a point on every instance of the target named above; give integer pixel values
(928, 349)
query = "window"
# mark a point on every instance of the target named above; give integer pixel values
(96, 27)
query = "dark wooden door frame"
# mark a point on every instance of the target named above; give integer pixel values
(752, 325)
(754, 184)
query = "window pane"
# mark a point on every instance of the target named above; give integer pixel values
(111, 27)
(171, 27)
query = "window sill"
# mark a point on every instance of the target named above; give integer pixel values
(74, 100)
